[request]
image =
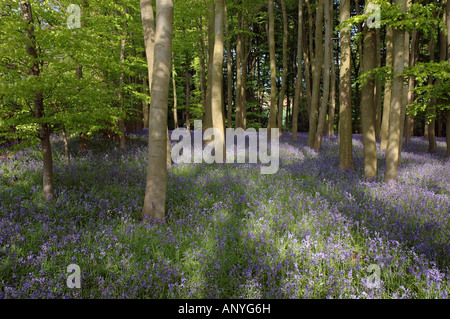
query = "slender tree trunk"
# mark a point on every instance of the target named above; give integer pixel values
(384, 133)
(66, 146)
(217, 85)
(273, 69)
(148, 24)
(202, 55)
(345, 106)
(285, 67)
(368, 108)
(155, 191)
(174, 87)
(316, 76)
(412, 60)
(393, 146)
(38, 102)
(229, 70)
(326, 77)
(332, 111)
(239, 66)
(405, 91)
(121, 96)
(298, 85)
(207, 115)
(377, 94)
(432, 145)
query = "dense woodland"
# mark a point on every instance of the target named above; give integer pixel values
(320, 71)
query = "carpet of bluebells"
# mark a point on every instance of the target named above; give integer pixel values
(308, 231)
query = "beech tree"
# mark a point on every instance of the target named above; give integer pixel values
(156, 182)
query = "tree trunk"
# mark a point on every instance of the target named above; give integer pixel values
(345, 106)
(188, 90)
(412, 61)
(273, 69)
(377, 88)
(393, 145)
(229, 70)
(38, 103)
(387, 91)
(285, 67)
(332, 111)
(155, 191)
(207, 115)
(174, 87)
(368, 108)
(432, 145)
(326, 77)
(316, 76)
(148, 25)
(66, 146)
(298, 85)
(217, 85)
(121, 96)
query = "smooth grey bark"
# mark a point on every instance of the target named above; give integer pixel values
(207, 115)
(229, 70)
(326, 77)
(285, 67)
(345, 106)
(368, 107)
(174, 88)
(393, 145)
(298, 84)
(384, 132)
(156, 182)
(317, 70)
(273, 69)
(217, 82)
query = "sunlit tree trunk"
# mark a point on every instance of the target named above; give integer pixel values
(393, 146)
(377, 88)
(345, 106)
(121, 96)
(412, 61)
(174, 88)
(229, 70)
(217, 81)
(207, 115)
(155, 191)
(368, 108)
(298, 84)
(384, 133)
(432, 145)
(332, 110)
(317, 70)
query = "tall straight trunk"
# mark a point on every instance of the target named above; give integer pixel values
(285, 67)
(121, 96)
(273, 69)
(148, 25)
(298, 84)
(368, 108)
(377, 88)
(306, 57)
(174, 87)
(332, 110)
(156, 183)
(412, 61)
(239, 66)
(316, 76)
(345, 103)
(393, 146)
(207, 115)
(326, 77)
(432, 145)
(447, 125)
(38, 103)
(66, 146)
(229, 70)
(217, 85)
(405, 91)
(202, 55)
(384, 132)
